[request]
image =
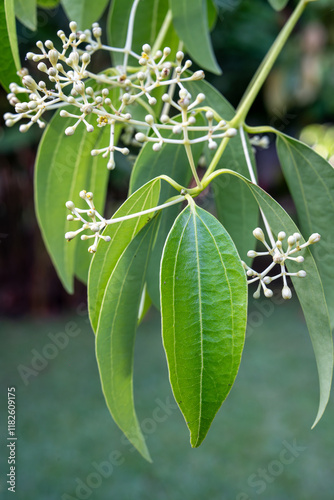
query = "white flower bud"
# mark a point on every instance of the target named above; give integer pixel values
(251, 254)
(231, 132)
(187, 64)
(177, 129)
(84, 237)
(24, 128)
(266, 280)
(85, 58)
(147, 48)
(69, 131)
(291, 241)
(89, 128)
(141, 76)
(192, 120)
(73, 26)
(258, 233)
(212, 145)
(29, 82)
(83, 194)
(70, 217)
(157, 146)
(256, 294)
(49, 44)
(70, 235)
(30, 56)
(281, 235)
(179, 56)
(152, 101)
(70, 205)
(149, 119)
(111, 164)
(167, 51)
(314, 238)
(198, 75)
(89, 195)
(166, 98)
(107, 238)
(42, 67)
(301, 274)
(300, 259)
(97, 32)
(286, 293)
(92, 249)
(164, 118)
(53, 56)
(268, 293)
(209, 115)
(140, 137)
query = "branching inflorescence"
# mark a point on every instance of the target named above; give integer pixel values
(73, 84)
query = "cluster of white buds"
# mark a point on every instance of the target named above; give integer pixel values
(96, 225)
(260, 141)
(279, 257)
(67, 81)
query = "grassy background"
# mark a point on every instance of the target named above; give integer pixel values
(63, 425)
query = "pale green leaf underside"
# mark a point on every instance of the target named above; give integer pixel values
(311, 182)
(278, 4)
(236, 208)
(26, 12)
(190, 20)
(116, 333)
(204, 309)
(121, 234)
(84, 12)
(9, 54)
(310, 293)
(64, 166)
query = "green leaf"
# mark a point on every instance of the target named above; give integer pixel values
(26, 12)
(204, 313)
(48, 4)
(236, 208)
(108, 254)
(278, 4)
(190, 20)
(171, 160)
(63, 168)
(311, 182)
(310, 294)
(116, 333)
(83, 12)
(150, 16)
(9, 54)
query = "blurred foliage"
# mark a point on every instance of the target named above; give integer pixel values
(321, 139)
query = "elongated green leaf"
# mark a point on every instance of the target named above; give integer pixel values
(9, 54)
(64, 167)
(311, 182)
(116, 332)
(236, 208)
(171, 160)
(278, 4)
(190, 20)
(107, 255)
(26, 12)
(204, 312)
(83, 12)
(310, 294)
(150, 16)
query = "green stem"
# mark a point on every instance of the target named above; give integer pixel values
(261, 130)
(257, 82)
(266, 65)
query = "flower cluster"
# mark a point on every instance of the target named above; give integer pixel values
(279, 257)
(109, 95)
(95, 225)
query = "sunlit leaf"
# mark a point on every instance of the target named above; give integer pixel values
(26, 12)
(9, 54)
(204, 309)
(278, 4)
(83, 12)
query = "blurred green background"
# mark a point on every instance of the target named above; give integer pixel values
(64, 427)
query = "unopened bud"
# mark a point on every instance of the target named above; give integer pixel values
(314, 238)
(258, 233)
(286, 293)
